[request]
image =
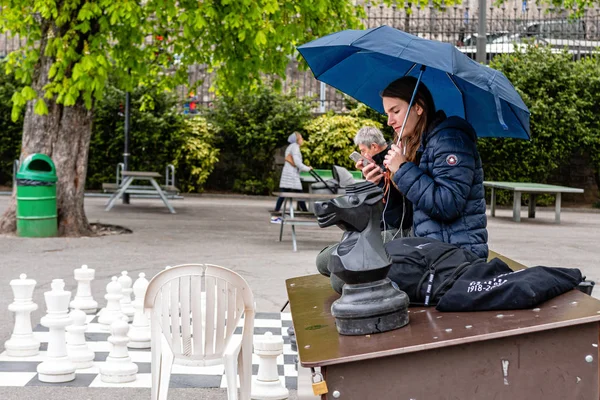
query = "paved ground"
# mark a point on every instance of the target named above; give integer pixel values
(235, 232)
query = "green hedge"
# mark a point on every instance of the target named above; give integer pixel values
(249, 129)
(563, 98)
(331, 139)
(10, 145)
(158, 137)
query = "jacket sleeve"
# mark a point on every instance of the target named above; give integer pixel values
(443, 194)
(297, 156)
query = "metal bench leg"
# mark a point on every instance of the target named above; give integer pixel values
(283, 206)
(293, 226)
(532, 199)
(557, 208)
(493, 201)
(116, 195)
(162, 195)
(517, 207)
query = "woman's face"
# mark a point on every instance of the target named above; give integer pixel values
(395, 109)
(299, 139)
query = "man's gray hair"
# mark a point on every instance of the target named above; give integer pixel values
(368, 135)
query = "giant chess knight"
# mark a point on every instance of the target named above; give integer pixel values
(369, 302)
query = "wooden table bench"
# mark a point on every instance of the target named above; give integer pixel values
(549, 352)
(125, 187)
(533, 189)
(288, 216)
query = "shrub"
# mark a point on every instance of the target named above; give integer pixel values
(158, 137)
(12, 132)
(331, 139)
(551, 86)
(249, 128)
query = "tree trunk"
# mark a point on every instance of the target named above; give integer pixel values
(64, 135)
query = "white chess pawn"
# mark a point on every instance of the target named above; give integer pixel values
(118, 367)
(56, 367)
(266, 385)
(83, 297)
(126, 306)
(139, 333)
(112, 312)
(77, 349)
(22, 342)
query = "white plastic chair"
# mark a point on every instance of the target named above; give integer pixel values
(195, 309)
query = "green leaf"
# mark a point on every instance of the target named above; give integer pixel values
(40, 107)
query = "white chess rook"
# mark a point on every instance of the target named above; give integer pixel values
(77, 349)
(112, 312)
(126, 306)
(139, 333)
(56, 367)
(266, 385)
(83, 297)
(118, 367)
(22, 342)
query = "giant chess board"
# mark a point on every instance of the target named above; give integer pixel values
(21, 371)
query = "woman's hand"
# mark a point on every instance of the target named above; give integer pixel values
(371, 172)
(394, 158)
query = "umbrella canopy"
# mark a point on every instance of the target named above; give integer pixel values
(361, 63)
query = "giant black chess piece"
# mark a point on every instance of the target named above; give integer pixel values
(369, 302)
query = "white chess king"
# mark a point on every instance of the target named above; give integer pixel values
(22, 342)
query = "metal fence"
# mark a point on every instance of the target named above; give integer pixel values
(513, 25)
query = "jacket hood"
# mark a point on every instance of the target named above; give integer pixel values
(441, 122)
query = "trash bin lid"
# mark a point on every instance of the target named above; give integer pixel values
(37, 167)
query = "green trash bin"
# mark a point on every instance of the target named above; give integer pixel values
(36, 197)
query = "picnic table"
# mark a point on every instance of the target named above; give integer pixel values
(287, 211)
(129, 177)
(534, 189)
(550, 350)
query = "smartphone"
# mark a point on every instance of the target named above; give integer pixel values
(355, 156)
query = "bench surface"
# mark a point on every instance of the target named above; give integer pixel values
(531, 187)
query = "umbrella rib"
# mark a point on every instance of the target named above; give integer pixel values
(519, 119)
(462, 95)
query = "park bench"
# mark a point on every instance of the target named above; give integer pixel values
(534, 189)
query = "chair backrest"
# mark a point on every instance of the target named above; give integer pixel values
(198, 307)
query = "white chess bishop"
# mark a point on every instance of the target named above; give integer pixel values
(83, 297)
(56, 367)
(126, 306)
(139, 333)
(112, 312)
(77, 349)
(22, 342)
(118, 367)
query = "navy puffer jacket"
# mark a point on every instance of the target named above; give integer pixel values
(446, 188)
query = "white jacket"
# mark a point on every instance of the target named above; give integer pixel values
(290, 176)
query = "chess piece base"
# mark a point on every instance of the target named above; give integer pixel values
(56, 370)
(22, 346)
(268, 390)
(118, 370)
(367, 308)
(144, 344)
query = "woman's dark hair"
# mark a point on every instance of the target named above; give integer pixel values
(403, 89)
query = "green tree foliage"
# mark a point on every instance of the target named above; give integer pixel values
(155, 41)
(331, 139)
(249, 128)
(159, 137)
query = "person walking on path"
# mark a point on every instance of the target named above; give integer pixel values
(290, 176)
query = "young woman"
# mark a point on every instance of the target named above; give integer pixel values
(437, 167)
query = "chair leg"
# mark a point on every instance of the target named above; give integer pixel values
(166, 363)
(245, 376)
(231, 374)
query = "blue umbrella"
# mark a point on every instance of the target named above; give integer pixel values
(361, 63)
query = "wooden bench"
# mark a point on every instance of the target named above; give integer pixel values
(533, 189)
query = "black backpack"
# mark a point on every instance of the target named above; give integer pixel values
(426, 268)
